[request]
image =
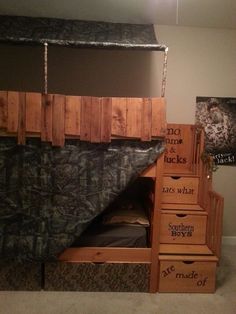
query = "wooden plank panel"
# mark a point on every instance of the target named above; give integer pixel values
(13, 111)
(179, 148)
(22, 119)
(134, 112)
(85, 119)
(119, 115)
(72, 115)
(96, 106)
(103, 254)
(46, 118)
(158, 117)
(146, 128)
(58, 120)
(3, 110)
(33, 112)
(106, 119)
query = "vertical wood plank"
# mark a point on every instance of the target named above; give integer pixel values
(133, 123)
(106, 120)
(58, 120)
(46, 118)
(22, 119)
(156, 223)
(3, 110)
(146, 128)
(85, 119)
(158, 117)
(33, 112)
(72, 115)
(13, 112)
(119, 114)
(96, 106)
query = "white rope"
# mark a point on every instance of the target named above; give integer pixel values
(164, 73)
(45, 68)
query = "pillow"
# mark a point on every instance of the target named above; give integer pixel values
(131, 213)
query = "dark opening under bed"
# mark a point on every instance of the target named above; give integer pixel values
(125, 223)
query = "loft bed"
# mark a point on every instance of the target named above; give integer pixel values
(135, 127)
(38, 158)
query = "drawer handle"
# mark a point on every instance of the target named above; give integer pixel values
(188, 262)
(175, 178)
(181, 215)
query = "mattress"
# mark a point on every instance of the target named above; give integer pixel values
(122, 235)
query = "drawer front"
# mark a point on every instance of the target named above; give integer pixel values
(97, 277)
(183, 228)
(187, 276)
(180, 190)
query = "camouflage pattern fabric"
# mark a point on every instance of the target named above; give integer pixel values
(77, 33)
(49, 195)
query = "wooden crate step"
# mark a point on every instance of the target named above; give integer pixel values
(183, 227)
(180, 190)
(181, 273)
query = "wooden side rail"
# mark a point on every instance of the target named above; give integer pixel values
(106, 255)
(215, 222)
(54, 117)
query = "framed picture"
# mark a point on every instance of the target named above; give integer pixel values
(217, 115)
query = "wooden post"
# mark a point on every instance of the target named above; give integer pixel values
(154, 278)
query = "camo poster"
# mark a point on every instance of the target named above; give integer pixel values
(218, 117)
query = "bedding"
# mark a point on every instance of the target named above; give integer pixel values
(49, 195)
(118, 235)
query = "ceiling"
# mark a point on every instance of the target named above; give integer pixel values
(197, 13)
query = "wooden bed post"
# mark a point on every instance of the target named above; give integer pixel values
(156, 224)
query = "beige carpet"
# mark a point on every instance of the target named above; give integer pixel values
(222, 302)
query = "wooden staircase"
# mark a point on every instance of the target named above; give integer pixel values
(191, 216)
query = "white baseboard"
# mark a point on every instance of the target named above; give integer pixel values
(229, 240)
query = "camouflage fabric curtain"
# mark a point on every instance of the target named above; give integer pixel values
(49, 195)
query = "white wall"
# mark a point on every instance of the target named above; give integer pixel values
(202, 62)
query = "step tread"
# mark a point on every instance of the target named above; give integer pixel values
(196, 258)
(190, 207)
(185, 249)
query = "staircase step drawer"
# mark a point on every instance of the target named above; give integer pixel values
(180, 190)
(187, 274)
(183, 227)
